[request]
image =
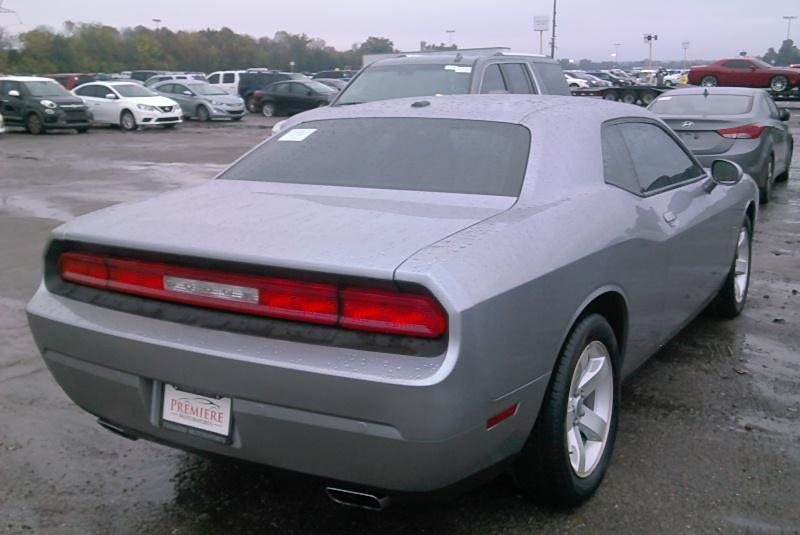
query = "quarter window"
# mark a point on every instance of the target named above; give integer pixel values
(517, 78)
(493, 80)
(658, 160)
(617, 164)
(228, 78)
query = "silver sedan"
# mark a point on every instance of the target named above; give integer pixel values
(402, 295)
(736, 123)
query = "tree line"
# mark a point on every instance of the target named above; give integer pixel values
(100, 48)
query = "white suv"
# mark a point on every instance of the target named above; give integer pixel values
(227, 80)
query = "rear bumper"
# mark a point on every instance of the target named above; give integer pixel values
(402, 431)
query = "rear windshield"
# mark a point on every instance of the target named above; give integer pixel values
(444, 155)
(382, 82)
(702, 105)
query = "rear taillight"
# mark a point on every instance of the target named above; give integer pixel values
(747, 131)
(348, 307)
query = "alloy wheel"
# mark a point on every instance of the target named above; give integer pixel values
(741, 266)
(589, 408)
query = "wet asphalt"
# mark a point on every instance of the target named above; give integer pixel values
(709, 437)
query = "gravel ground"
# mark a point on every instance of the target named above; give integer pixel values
(709, 438)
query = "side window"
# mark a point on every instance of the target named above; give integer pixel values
(738, 64)
(213, 79)
(658, 160)
(102, 90)
(519, 81)
(85, 91)
(178, 89)
(167, 88)
(617, 164)
(493, 80)
(11, 86)
(228, 78)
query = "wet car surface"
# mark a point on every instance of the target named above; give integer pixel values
(709, 437)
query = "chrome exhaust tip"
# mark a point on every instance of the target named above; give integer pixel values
(361, 500)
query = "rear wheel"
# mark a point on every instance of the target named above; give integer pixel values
(709, 81)
(629, 97)
(610, 95)
(250, 104)
(779, 83)
(570, 447)
(202, 114)
(731, 298)
(34, 125)
(765, 191)
(127, 121)
(783, 177)
(647, 97)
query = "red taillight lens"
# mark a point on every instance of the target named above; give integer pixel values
(392, 312)
(352, 308)
(747, 131)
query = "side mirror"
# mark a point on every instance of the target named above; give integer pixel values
(785, 115)
(111, 96)
(13, 93)
(723, 173)
(188, 93)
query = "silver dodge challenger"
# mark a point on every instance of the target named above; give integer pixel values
(403, 295)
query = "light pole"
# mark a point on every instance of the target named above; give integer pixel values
(685, 46)
(789, 19)
(553, 37)
(450, 37)
(157, 21)
(616, 51)
(649, 38)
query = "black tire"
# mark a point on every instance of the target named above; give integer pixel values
(779, 83)
(726, 304)
(127, 121)
(783, 177)
(82, 130)
(34, 124)
(269, 110)
(629, 97)
(203, 114)
(709, 81)
(765, 191)
(543, 470)
(610, 95)
(647, 97)
(250, 104)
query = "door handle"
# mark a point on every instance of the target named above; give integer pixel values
(670, 217)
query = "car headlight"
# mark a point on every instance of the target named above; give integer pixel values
(216, 103)
(278, 127)
(48, 104)
(145, 107)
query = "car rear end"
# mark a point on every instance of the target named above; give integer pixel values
(261, 318)
(719, 123)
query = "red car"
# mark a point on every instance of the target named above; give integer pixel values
(744, 72)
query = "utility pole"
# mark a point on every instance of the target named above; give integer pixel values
(649, 38)
(450, 36)
(789, 19)
(616, 51)
(553, 37)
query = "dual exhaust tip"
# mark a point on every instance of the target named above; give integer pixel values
(360, 500)
(349, 498)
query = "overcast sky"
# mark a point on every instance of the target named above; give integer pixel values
(586, 28)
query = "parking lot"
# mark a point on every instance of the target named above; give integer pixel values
(709, 438)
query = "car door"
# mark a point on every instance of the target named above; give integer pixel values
(779, 130)
(186, 101)
(88, 94)
(12, 107)
(738, 72)
(229, 82)
(105, 110)
(701, 228)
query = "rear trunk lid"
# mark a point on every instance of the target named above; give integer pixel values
(701, 133)
(338, 230)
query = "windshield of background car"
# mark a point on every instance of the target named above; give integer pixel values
(206, 89)
(319, 87)
(134, 91)
(381, 82)
(46, 89)
(443, 155)
(702, 105)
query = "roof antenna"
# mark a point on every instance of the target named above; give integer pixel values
(458, 57)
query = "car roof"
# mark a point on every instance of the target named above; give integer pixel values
(744, 91)
(27, 79)
(110, 82)
(518, 109)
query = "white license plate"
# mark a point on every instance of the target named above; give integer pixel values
(194, 410)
